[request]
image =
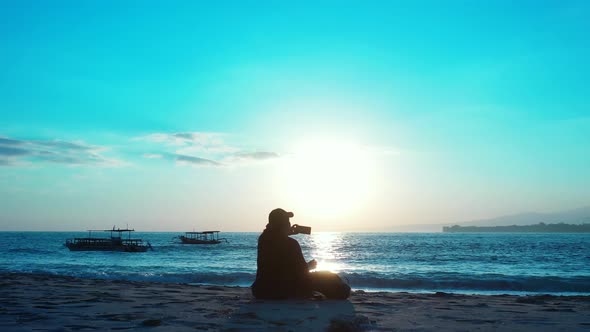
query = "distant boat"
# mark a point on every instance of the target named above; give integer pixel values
(114, 243)
(207, 237)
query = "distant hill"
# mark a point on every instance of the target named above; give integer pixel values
(536, 228)
(576, 216)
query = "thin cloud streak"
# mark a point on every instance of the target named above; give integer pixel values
(182, 159)
(185, 138)
(203, 149)
(260, 155)
(9, 151)
(244, 158)
(7, 141)
(15, 152)
(196, 161)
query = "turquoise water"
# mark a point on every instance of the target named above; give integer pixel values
(418, 262)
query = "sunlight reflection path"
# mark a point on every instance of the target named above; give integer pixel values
(327, 246)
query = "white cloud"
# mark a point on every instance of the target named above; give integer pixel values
(201, 148)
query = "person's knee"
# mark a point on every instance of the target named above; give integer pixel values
(330, 285)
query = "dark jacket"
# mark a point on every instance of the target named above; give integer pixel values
(282, 270)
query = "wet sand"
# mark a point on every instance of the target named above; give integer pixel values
(55, 303)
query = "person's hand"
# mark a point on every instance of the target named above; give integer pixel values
(294, 229)
(312, 264)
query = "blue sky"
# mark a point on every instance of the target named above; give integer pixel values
(176, 115)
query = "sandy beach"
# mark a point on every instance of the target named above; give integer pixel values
(30, 302)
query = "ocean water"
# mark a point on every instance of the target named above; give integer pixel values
(414, 262)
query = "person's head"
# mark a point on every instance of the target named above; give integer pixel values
(278, 222)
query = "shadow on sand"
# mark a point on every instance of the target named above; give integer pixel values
(293, 315)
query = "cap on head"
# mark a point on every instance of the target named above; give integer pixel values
(278, 221)
(279, 215)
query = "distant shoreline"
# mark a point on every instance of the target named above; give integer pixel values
(537, 228)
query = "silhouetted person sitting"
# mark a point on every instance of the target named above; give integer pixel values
(282, 270)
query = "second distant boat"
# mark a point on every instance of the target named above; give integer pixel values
(207, 237)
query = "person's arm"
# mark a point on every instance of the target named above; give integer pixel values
(298, 260)
(301, 275)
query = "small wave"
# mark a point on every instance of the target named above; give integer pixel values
(486, 283)
(442, 282)
(32, 251)
(227, 279)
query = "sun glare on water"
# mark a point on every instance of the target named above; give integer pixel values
(328, 179)
(326, 246)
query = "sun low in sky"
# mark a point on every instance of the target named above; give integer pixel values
(357, 116)
(328, 179)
